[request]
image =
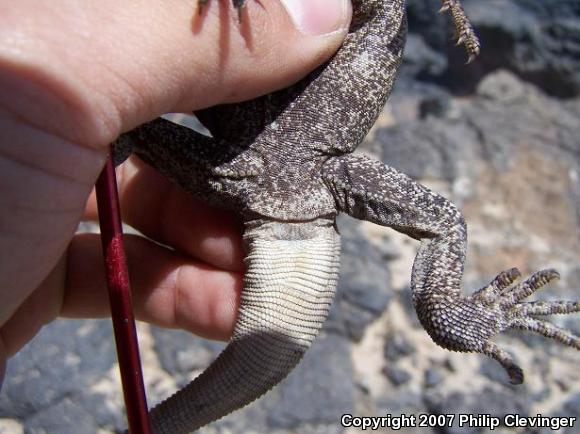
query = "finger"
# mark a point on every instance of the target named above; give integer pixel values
(113, 65)
(169, 289)
(165, 213)
(44, 183)
(40, 307)
(109, 66)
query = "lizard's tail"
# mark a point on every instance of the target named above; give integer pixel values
(288, 288)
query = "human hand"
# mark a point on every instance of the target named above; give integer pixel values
(73, 76)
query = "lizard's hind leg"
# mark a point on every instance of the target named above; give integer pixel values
(369, 190)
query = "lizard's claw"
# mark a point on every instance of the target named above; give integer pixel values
(463, 28)
(469, 323)
(200, 5)
(238, 4)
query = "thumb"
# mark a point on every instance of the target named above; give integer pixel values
(86, 71)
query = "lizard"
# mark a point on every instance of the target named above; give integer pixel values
(286, 163)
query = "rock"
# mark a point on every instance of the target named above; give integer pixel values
(424, 20)
(506, 119)
(397, 347)
(182, 353)
(434, 148)
(364, 277)
(107, 409)
(538, 41)
(313, 397)
(420, 58)
(433, 377)
(397, 376)
(319, 391)
(484, 402)
(406, 400)
(572, 405)
(66, 417)
(410, 99)
(569, 408)
(363, 288)
(10, 426)
(62, 360)
(495, 372)
(503, 87)
(348, 320)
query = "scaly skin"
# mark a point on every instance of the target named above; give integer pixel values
(285, 162)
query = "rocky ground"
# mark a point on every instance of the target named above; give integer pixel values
(501, 138)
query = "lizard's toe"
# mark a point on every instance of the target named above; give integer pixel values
(515, 373)
(513, 295)
(238, 4)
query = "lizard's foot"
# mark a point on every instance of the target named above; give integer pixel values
(463, 28)
(468, 323)
(506, 299)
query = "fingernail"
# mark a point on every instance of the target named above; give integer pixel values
(318, 17)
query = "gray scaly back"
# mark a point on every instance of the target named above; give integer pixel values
(284, 162)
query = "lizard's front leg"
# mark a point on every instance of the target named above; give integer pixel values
(369, 190)
(463, 29)
(238, 4)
